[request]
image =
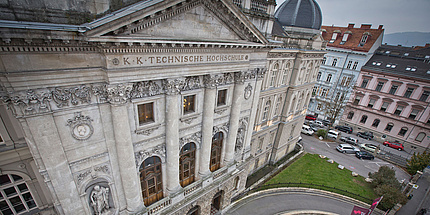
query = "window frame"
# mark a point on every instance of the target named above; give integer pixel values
(186, 110)
(334, 62)
(376, 122)
(152, 115)
(364, 82)
(393, 89)
(224, 103)
(379, 86)
(19, 194)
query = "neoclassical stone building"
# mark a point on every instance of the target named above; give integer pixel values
(149, 109)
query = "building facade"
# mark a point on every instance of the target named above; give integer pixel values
(348, 49)
(391, 97)
(149, 109)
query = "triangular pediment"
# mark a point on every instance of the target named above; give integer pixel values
(209, 20)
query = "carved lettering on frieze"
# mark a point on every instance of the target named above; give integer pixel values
(81, 177)
(147, 131)
(102, 168)
(140, 156)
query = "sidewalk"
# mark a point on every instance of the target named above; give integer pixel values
(421, 197)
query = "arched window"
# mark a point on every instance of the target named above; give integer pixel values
(363, 119)
(278, 106)
(151, 180)
(350, 115)
(266, 110)
(16, 198)
(273, 78)
(216, 151)
(389, 127)
(319, 76)
(236, 183)
(285, 74)
(329, 76)
(376, 123)
(403, 131)
(420, 137)
(334, 62)
(194, 211)
(187, 164)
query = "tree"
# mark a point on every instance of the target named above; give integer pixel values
(418, 162)
(385, 184)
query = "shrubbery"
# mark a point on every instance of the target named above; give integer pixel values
(418, 162)
(322, 133)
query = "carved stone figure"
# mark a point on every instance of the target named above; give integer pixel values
(99, 199)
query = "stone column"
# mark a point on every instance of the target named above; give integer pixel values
(238, 94)
(207, 125)
(247, 142)
(173, 106)
(117, 96)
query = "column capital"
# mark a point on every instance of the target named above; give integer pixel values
(260, 72)
(172, 86)
(242, 76)
(119, 94)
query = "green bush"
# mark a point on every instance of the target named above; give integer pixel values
(418, 162)
(322, 133)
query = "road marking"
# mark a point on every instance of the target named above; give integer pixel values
(351, 167)
(327, 145)
(312, 148)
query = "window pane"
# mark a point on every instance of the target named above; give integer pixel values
(146, 113)
(4, 208)
(10, 191)
(17, 204)
(4, 179)
(23, 188)
(16, 177)
(29, 200)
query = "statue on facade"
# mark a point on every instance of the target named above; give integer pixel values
(99, 199)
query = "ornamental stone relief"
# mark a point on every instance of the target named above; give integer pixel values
(99, 199)
(195, 138)
(219, 128)
(29, 102)
(145, 89)
(119, 94)
(140, 156)
(248, 91)
(241, 131)
(81, 127)
(211, 81)
(64, 96)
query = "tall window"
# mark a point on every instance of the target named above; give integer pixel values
(424, 96)
(189, 103)
(329, 76)
(389, 127)
(334, 62)
(348, 66)
(348, 81)
(146, 113)
(376, 123)
(324, 60)
(379, 86)
(343, 81)
(285, 74)
(420, 137)
(402, 131)
(356, 100)
(363, 119)
(350, 115)
(324, 92)
(319, 106)
(15, 197)
(314, 91)
(215, 162)
(319, 76)
(151, 180)
(222, 97)
(393, 89)
(355, 65)
(273, 75)
(384, 106)
(278, 106)
(398, 110)
(364, 83)
(266, 111)
(238, 3)
(371, 103)
(187, 164)
(408, 92)
(413, 114)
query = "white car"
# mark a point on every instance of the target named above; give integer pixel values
(333, 134)
(318, 123)
(346, 148)
(307, 130)
(369, 147)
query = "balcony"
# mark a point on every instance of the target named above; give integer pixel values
(158, 206)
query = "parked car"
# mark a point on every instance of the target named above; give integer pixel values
(344, 128)
(394, 145)
(326, 122)
(349, 140)
(333, 134)
(365, 135)
(310, 117)
(314, 128)
(364, 155)
(318, 123)
(346, 148)
(307, 130)
(369, 147)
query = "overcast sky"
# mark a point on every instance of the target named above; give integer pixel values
(395, 15)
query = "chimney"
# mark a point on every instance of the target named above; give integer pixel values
(351, 25)
(366, 26)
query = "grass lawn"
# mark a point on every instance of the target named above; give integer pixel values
(315, 170)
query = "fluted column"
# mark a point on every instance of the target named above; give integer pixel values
(173, 106)
(247, 143)
(117, 96)
(238, 93)
(207, 125)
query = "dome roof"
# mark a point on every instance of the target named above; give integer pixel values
(300, 13)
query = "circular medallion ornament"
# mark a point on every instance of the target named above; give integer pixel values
(82, 131)
(248, 91)
(115, 61)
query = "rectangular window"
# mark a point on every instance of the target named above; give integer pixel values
(413, 114)
(348, 81)
(384, 106)
(371, 103)
(379, 86)
(343, 81)
(355, 65)
(314, 91)
(324, 93)
(424, 96)
(146, 113)
(393, 89)
(334, 62)
(222, 95)
(364, 83)
(189, 104)
(398, 110)
(408, 92)
(356, 100)
(349, 64)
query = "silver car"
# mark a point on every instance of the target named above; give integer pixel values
(346, 148)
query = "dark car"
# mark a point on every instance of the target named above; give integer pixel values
(344, 128)
(310, 117)
(394, 145)
(349, 140)
(326, 122)
(365, 135)
(364, 155)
